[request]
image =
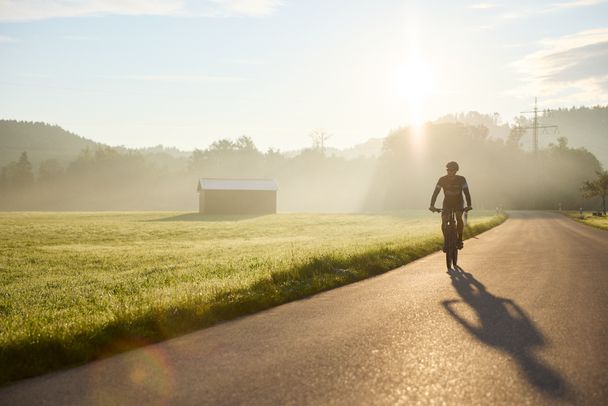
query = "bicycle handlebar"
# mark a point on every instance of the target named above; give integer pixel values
(466, 209)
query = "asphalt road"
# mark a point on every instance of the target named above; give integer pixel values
(525, 321)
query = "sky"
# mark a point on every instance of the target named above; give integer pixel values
(185, 73)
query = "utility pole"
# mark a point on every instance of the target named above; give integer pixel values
(535, 126)
(318, 139)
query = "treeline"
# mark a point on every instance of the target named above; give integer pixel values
(110, 179)
(100, 179)
(584, 127)
(500, 173)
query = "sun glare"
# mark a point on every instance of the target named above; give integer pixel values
(416, 86)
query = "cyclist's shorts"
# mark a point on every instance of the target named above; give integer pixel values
(456, 206)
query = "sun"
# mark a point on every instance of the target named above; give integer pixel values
(416, 85)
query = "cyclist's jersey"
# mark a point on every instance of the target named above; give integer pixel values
(453, 188)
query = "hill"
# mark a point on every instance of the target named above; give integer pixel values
(371, 148)
(585, 127)
(41, 141)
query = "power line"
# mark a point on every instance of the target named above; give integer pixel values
(535, 126)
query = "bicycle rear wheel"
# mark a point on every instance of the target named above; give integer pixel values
(451, 257)
(451, 252)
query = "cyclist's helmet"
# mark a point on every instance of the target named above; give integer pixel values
(452, 165)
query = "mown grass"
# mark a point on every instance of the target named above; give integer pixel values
(79, 286)
(589, 219)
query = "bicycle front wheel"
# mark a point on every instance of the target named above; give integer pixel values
(451, 257)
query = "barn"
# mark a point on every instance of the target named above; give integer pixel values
(237, 196)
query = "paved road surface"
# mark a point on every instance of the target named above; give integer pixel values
(524, 322)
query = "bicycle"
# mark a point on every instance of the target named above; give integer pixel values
(450, 235)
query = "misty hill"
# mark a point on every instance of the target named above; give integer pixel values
(369, 149)
(44, 142)
(495, 126)
(585, 127)
(41, 141)
(372, 148)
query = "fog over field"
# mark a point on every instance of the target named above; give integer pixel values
(397, 172)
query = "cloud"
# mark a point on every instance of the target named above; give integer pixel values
(34, 75)
(482, 28)
(483, 6)
(4, 39)
(29, 10)
(535, 9)
(574, 4)
(515, 15)
(184, 78)
(78, 38)
(573, 66)
(25, 10)
(248, 7)
(512, 46)
(242, 61)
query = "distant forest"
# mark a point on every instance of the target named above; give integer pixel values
(46, 168)
(584, 127)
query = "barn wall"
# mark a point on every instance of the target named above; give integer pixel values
(201, 201)
(240, 202)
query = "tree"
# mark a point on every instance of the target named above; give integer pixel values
(562, 143)
(19, 174)
(4, 185)
(319, 137)
(49, 171)
(221, 146)
(515, 135)
(245, 144)
(227, 158)
(597, 187)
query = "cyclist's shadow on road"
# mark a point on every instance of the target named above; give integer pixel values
(504, 325)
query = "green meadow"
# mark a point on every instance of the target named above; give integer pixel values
(589, 219)
(79, 286)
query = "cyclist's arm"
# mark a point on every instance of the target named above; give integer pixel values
(467, 195)
(435, 194)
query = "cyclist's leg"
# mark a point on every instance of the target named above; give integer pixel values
(445, 215)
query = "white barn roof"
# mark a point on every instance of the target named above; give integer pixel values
(237, 184)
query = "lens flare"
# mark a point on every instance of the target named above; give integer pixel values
(144, 373)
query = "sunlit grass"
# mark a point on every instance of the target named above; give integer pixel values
(72, 285)
(589, 219)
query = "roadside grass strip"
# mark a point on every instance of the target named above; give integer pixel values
(589, 219)
(75, 287)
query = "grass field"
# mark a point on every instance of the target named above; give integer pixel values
(79, 286)
(589, 219)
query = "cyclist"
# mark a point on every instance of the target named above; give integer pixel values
(453, 187)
